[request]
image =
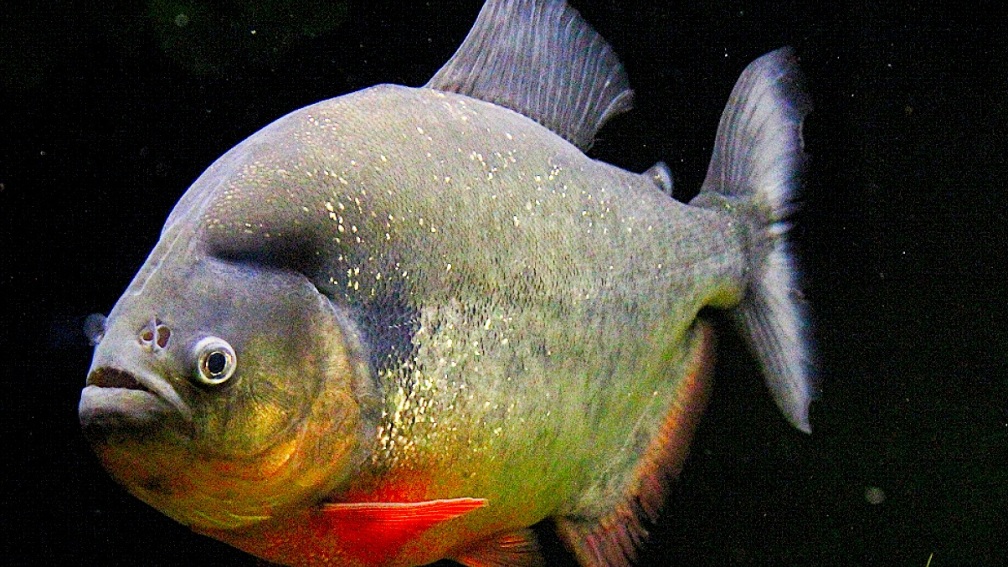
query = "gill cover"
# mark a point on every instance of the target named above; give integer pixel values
(254, 382)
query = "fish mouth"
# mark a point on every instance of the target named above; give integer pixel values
(115, 378)
(116, 401)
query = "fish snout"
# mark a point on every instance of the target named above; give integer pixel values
(117, 401)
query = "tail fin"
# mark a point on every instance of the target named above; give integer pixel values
(755, 166)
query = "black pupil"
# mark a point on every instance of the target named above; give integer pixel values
(215, 363)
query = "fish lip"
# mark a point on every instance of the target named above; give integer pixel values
(108, 377)
(112, 391)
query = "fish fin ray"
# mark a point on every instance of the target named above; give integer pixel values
(758, 158)
(518, 548)
(615, 539)
(758, 148)
(541, 59)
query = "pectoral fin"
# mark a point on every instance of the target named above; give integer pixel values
(357, 533)
(395, 521)
(380, 529)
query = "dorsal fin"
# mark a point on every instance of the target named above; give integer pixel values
(540, 58)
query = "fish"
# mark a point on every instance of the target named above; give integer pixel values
(412, 324)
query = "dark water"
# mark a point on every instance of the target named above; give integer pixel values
(109, 113)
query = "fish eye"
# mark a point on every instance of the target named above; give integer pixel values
(215, 361)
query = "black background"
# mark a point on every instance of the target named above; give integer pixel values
(111, 109)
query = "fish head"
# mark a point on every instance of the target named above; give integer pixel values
(224, 392)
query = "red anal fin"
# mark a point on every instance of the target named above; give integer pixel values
(613, 540)
(510, 549)
(380, 529)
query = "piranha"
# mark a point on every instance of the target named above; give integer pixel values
(408, 324)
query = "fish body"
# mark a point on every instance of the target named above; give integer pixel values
(407, 324)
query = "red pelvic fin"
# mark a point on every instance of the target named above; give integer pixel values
(518, 549)
(613, 539)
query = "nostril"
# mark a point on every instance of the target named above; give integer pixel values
(163, 334)
(155, 335)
